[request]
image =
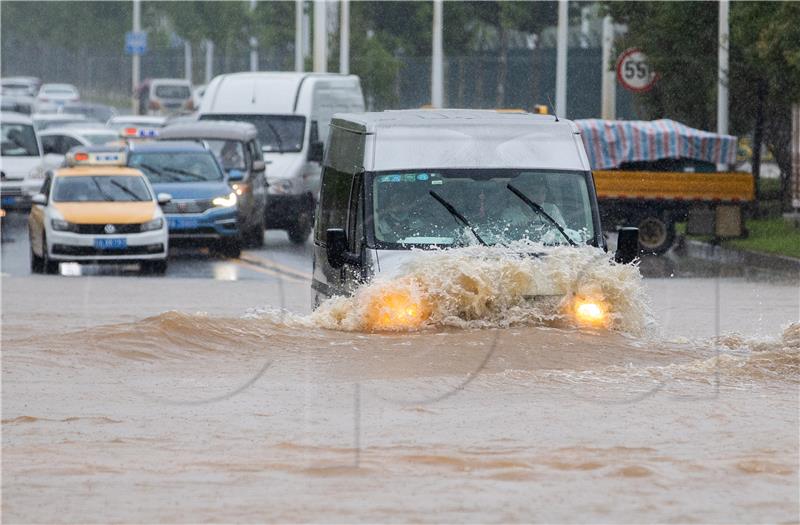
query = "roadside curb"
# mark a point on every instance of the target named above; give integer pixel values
(717, 253)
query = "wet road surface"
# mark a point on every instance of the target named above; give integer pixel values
(211, 394)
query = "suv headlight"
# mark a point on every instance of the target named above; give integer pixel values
(225, 201)
(60, 225)
(155, 224)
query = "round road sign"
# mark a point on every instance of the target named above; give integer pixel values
(633, 71)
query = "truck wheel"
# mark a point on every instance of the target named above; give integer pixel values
(656, 234)
(300, 230)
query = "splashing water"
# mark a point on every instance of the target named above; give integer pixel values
(499, 286)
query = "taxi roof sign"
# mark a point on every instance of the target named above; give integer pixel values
(138, 132)
(99, 157)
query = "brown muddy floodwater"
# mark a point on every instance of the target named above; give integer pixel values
(494, 409)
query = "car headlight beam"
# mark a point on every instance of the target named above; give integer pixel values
(225, 201)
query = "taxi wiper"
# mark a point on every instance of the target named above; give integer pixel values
(105, 195)
(538, 209)
(126, 190)
(454, 212)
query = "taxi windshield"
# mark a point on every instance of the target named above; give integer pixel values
(178, 167)
(101, 188)
(452, 207)
(18, 140)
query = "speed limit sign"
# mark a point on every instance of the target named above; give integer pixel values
(633, 71)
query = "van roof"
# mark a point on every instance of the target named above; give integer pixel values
(209, 129)
(466, 138)
(12, 117)
(268, 92)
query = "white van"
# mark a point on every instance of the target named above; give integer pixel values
(22, 167)
(398, 180)
(292, 113)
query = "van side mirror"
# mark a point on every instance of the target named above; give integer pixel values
(259, 165)
(627, 245)
(336, 249)
(316, 151)
(39, 198)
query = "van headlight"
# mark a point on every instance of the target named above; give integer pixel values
(280, 186)
(155, 224)
(225, 201)
(36, 173)
(60, 225)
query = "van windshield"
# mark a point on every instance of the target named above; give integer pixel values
(277, 133)
(410, 208)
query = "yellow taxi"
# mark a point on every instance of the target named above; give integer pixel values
(100, 211)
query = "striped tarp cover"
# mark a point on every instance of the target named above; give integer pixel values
(609, 143)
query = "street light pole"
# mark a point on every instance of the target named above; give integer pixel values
(253, 43)
(437, 57)
(135, 62)
(561, 59)
(344, 39)
(722, 70)
(609, 79)
(320, 37)
(298, 36)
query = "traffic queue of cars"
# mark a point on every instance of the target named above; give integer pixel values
(220, 177)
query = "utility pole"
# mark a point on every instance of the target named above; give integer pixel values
(609, 79)
(187, 60)
(135, 62)
(344, 39)
(561, 59)
(722, 70)
(437, 57)
(253, 43)
(209, 61)
(320, 37)
(298, 36)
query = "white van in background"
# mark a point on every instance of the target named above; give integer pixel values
(292, 112)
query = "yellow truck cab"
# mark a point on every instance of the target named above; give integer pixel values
(97, 210)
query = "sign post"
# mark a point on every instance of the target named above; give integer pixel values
(634, 72)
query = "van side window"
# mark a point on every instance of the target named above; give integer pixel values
(356, 233)
(334, 202)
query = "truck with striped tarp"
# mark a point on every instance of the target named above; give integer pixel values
(652, 174)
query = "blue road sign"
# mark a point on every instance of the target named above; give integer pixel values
(136, 43)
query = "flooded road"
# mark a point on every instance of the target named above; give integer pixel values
(192, 399)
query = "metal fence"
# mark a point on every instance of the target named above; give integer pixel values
(470, 81)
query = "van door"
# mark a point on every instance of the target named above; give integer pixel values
(333, 212)
(353, 276)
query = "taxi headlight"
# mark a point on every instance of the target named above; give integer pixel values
(225, 201)
(155, 224)
(63, 226)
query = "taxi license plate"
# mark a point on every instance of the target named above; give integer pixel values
(110, 244)
(181, 223)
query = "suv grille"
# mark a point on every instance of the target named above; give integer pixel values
(187, 206)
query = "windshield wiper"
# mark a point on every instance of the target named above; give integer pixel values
(126, 190)
(105, 195)
(277, 135)
(155, 170)
(538, 209)
(184, 172)
(454, 212)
